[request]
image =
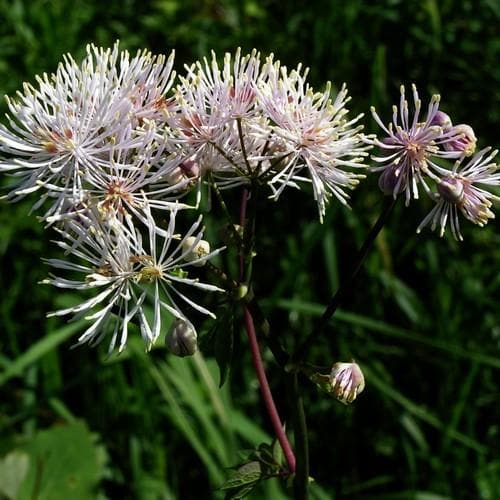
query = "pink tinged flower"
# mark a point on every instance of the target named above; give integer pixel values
(465, 141)
(346, 381)
(441, 119)
(459, 191)
(126, 273)
(65, 126)
(145, 80)
(315, 136)
(410, 147)
(230, 88)
(125, 183)
(217, 106)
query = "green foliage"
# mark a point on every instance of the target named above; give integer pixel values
(58, 463)
(223, 339)
(261, 464)
(423, 321)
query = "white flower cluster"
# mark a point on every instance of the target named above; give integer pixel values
(111, 145)
(86, 138)
(250, 122)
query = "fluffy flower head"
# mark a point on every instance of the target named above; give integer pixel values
(410, 147)
(461, 191)
(129, 272)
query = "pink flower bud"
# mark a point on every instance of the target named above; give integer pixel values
(392, 180)
(347, 381)
(464, 142)
(442, 120)
(451, 189)
(190, 168)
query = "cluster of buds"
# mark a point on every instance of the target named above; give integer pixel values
(414, 153)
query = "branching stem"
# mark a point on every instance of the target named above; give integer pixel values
(346, 285)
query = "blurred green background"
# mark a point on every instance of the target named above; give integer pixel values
(423, 322)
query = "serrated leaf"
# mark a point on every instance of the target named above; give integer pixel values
(248, 473)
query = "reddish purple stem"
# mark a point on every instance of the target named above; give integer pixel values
(258, 364)
(266, 393)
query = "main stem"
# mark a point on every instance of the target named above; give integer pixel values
(266, 393)
(256, 357)
(346, 285)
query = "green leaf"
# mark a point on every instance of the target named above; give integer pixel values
(391, 331)
(65, 462)
(277, 452)
(13, 469)
(265, 455)
(241, 492)
(420, 412)
(242, 481)
(488, 480)
(247, 473)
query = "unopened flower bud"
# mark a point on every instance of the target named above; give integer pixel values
(183, 173)
(175, 176)
(196, 251)
(190, 168)
(392, 180)
(451, 189)
(182, 339)
(442, 120)
(464, 142)
(347, 381)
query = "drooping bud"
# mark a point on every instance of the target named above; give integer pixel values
(464, 142)
(347, 381)
(182, 339)
(451, 189)
(392, 181)
(196, 251)
(441, 119)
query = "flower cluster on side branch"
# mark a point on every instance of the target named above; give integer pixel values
(416, 154)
